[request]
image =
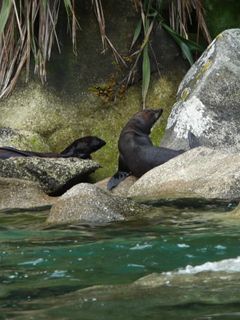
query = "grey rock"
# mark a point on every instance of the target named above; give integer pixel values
(119, 190)
(19, 194)
(38, 109)
(52, 174)
(86, 203)
(208, 99)
(198, 173)
(22, 139)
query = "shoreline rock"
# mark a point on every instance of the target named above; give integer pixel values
(119, 190)
(87, 203)
(54, 175)
(198, 173)
(19, 195)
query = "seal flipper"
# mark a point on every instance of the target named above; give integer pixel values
(193, 140)
(122, 173)
(117, 178)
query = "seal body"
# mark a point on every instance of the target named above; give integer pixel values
(137, 155)
(80, 148)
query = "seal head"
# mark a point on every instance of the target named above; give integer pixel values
(83, 147)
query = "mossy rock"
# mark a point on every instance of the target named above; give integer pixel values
(23, 139)
(58, 121)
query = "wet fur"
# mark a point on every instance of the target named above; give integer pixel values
(137, 155)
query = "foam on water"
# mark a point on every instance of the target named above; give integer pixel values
(32, 262)
(226, 265)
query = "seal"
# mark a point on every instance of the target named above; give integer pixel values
(83, 147)
(80, 148)
(137, 155)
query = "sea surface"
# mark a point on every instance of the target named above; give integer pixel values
(183, 263)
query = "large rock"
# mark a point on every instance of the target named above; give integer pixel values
(216, 289)
(19, 194)
(54, 175)
(197, 173)
(38, 109)
(168, 289)
(121, 189)
(23, 140)
(86, 203)
(209, 98)
(84, 94)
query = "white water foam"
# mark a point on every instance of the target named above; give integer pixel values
(226, 265)
(32, 262)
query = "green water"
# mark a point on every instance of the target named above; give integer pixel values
(44, 271)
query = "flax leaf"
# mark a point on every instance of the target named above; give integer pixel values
(146, 73)
(4, 14)
(136, 33)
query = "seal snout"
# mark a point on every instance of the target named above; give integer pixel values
(97, 143)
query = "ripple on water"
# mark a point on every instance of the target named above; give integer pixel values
(52, 266)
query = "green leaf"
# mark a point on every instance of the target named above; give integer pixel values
(146, 73)
(68, 5)
(148, 31)
(187, 52)
(44, 3)
(159, 5)
(136, 33)
(187, 46)
(4, 14)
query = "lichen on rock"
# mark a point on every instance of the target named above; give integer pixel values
(209, 98)
(54, 175)
(86, 203)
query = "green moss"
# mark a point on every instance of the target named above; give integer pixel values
(185, 93)
(203, 69)
(206, 66)
(55, 122)
(25, 140)
(37, 144)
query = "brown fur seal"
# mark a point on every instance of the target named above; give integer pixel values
(137, 155)
(80, 148)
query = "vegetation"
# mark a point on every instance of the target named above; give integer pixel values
(181, 13)
(28, 32)
(28, 29)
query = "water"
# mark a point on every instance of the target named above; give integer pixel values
(183, 263)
